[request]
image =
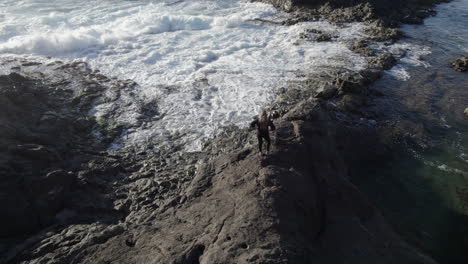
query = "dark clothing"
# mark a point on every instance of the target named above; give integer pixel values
(263, 133)
(260, 141)
(262, 130)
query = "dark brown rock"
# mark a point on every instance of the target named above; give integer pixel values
(327, 91)
(460, 64)
(379, 32)
(361, 47)
(385, 61)
(350, 83)
(390, 12)
(42, 135)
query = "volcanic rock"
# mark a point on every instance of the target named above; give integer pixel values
(385, 61)
(460, 64)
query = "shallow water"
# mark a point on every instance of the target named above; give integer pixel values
(423, 191)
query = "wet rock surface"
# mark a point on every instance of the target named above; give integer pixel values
(62, 190)
(40, 137)
(285, 208)
(226, 204)
(382, 17)
(391, 13)
(385, 61)
(315, 35)
(460, 64)
(69, 199)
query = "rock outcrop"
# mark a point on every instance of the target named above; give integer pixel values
(68, 199)
(38, 142)
(47, 138)
(295, 206)
(460, 64)
(226, 204)
(391, 12)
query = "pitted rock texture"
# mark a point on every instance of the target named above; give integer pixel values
(226, 204)
(412, 11)
(460, 64)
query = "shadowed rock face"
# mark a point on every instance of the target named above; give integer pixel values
(294, 206)
(46, 135)
(225, 205)
(38, 137)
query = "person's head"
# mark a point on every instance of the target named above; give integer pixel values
(263, 116)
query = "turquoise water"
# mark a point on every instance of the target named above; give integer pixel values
(423, 189)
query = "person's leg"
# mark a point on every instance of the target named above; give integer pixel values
(267, 138)
(260, 142)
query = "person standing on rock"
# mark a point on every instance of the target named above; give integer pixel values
(263, 123)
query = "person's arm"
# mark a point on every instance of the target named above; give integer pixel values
(272, 126)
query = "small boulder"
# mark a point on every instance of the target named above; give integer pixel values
(326, 91)
(350, 83)
(370, 75)
(382, 33)
(361, 47)
(323, 37)
(315, 35)
(460, 64)
(385, 61)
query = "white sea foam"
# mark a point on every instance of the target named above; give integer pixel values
(464, 157)
(204, 64)
(437, 164)
(446, 168)
(409, 55)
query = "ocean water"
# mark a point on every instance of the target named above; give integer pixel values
(202, 64)
(423, 190)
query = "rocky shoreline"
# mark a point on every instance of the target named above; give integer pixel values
(70, 200)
